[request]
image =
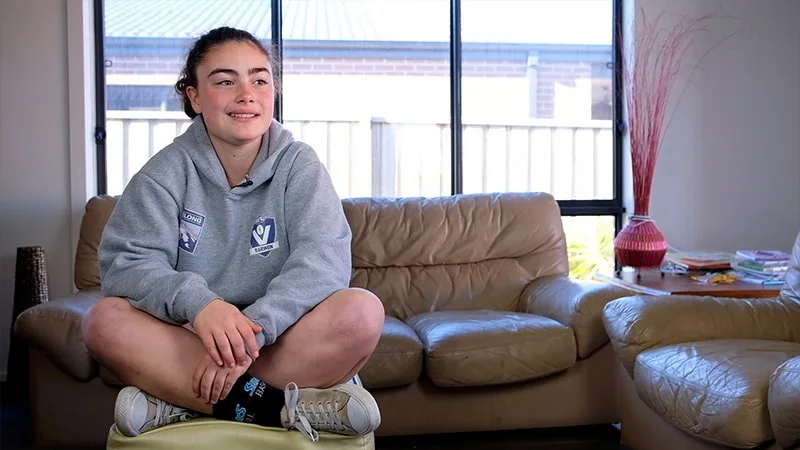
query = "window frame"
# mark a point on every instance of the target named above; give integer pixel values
(608, 207)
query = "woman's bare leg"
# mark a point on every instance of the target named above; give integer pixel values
(325, 347)
(328, 345)
(145, 352)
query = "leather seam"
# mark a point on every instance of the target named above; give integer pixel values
(483, 349)
(407, 353)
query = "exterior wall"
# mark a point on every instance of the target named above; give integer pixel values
(548, 73)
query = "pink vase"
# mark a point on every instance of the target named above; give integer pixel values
(640, 244)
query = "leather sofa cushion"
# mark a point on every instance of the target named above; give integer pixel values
(715, 390)
(55, 329)
(397, 360)
(481, 348)
(784, 403)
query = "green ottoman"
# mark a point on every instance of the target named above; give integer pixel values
(207, 433)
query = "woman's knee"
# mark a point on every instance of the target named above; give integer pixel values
(103, 318)
(361, 316)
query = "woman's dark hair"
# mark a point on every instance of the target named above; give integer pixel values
(206, 43)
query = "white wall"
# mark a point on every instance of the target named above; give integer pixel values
(730, 166)
(34, 146)
(729, 172)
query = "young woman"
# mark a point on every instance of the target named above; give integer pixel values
(226, 265)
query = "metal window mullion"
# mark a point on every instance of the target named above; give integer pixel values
(456, 182)
(618, 123)
(100, 99)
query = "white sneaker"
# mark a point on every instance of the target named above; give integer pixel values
(346, 409)
(136, 412)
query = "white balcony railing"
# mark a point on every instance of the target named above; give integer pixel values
(379, 157)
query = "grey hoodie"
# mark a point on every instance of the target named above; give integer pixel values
(180, 236)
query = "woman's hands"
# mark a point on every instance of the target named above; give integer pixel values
(212, 383)
(225, 332)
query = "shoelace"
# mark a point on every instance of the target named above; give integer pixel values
(167, 413)
(302, 415)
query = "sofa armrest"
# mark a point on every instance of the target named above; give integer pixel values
(54, 328)
(783, 402)
(574, 303)
(638, 323)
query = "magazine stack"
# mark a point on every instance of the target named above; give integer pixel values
(765, 267)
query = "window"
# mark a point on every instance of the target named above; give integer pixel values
(590, 245)
(367, 84)
(398, 97)
(144, 45)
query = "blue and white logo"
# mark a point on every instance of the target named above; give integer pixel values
(191, 227)
(262, 237)
(241, 413)
(251, 386)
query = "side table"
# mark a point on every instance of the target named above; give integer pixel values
(651, 282)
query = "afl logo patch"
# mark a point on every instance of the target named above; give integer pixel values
(262, 236)
(190, 229)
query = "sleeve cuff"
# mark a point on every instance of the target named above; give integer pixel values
(192, 301)
(267, 334)
(261, 339)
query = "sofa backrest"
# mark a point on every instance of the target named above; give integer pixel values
(454, 253)
(87, 266)
(422, 254)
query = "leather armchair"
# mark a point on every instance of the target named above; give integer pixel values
(708, 372)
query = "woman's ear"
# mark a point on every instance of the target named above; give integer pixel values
(192, 94)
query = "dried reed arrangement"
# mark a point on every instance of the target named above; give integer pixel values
(650, 74)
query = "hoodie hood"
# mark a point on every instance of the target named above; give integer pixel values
(197, 144)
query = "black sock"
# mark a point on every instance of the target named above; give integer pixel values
(251, 401)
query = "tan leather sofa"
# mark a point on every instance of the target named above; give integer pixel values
(484, 330)
(709, 373)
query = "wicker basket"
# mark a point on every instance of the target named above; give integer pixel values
(30, 289)
(30, 282)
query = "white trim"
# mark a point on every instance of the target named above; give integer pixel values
(81, 87)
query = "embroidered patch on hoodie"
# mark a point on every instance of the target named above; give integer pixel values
(262, 237)
(191, 227)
